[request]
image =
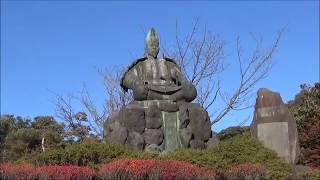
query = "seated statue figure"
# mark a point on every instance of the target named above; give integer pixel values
(153, 79)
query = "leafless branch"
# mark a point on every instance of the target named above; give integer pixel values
(75, 126)
(199, 55)
(116, 97)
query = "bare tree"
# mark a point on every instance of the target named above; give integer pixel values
(201, 59)
(115, 99)
(76, 123)
(251, 71)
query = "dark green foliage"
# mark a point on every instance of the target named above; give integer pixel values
(4, 130)
(232, 131)
(310, 175)
(236, 150)
(50, 130)
(20, 142)
(46, 122)
(10, 123)
(19, 136)
(306, 111)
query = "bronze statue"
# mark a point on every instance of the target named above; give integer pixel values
(153, 79)
(161, 117)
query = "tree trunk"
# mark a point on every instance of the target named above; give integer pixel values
(42, 144)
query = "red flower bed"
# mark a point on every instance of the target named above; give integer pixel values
(66, 172)
(154, 169)
(17, 171)
(246, 171)
(121, 169)
(27, 171)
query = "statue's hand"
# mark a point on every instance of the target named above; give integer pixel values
(140, 91)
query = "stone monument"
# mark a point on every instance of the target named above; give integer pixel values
(161, 117)
(274, 126)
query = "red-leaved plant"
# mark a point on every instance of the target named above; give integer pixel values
(10, 171)
(130, 170)
(17, 171)
(66, 172)
(246, 171)
(154, 169)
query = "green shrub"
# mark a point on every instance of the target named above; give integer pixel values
(234, 151)
(310, 175)
(232, 132)
(21, 142)
(82, 154)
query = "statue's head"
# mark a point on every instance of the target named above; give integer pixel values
(152, 44)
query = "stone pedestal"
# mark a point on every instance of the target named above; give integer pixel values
(274, 126)
(160, 125)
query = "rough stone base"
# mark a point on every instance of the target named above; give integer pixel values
(161, 126)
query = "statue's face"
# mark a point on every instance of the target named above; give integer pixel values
(153, 48)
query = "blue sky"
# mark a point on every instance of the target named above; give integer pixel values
(55, 46)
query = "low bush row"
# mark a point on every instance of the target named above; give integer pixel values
(129, 170)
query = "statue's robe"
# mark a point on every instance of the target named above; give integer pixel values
(162, 79)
